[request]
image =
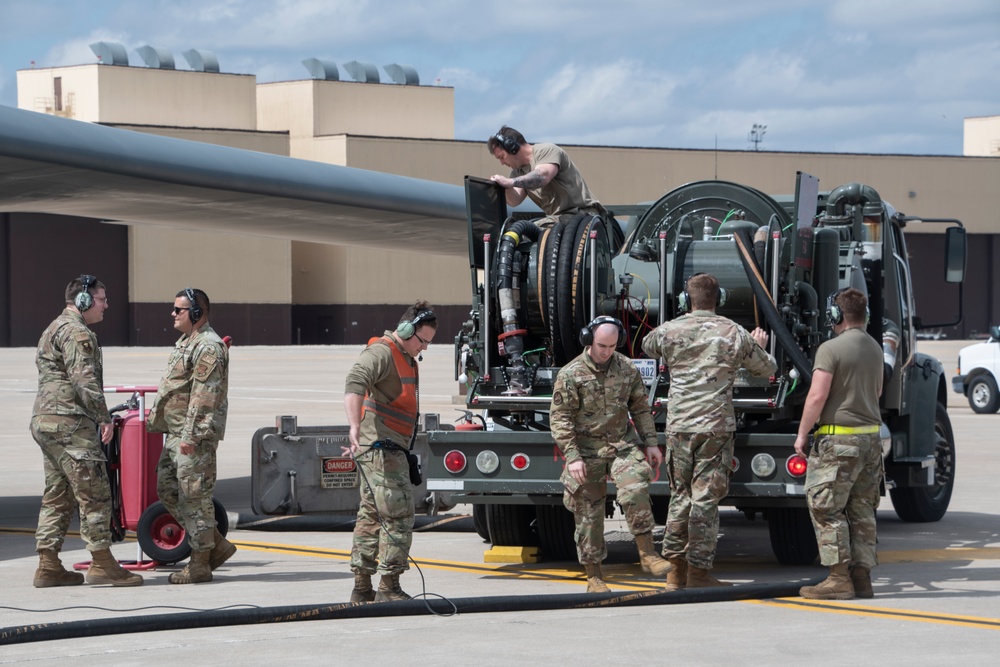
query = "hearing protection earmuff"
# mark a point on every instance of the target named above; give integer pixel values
(587, 332)
(834, 313)
(509, 144)
(196, 312)
(407, 328)
(684, 300)
(84, 301)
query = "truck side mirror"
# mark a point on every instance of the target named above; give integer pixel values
(995, 332)
(954, 255)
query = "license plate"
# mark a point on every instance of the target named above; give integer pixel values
(648, 369)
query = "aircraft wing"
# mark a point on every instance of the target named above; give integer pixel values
(68, 167)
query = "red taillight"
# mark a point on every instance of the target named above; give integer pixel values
(520, 462)
(454, 461)
(796, 466)
(736, 464)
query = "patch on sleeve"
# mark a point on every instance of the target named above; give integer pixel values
(84, 343)
(206, 364)
(557, 398)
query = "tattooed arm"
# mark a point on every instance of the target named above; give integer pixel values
(517, 187)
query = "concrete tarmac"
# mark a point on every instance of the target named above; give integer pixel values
(937, 587)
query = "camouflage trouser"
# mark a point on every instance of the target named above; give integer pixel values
(699, 466)
(842, 491)
(387, 496)
(631, 474)
(185, 483)
(76, 476)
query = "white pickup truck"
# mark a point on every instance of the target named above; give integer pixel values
(979, 374)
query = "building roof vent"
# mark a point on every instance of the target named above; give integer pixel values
(363, 72)
(323, 70)
(110, 53)
(201, 60)
(402, 74)
(156, 57)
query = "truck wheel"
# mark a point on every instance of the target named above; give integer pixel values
(479, 522)
(793, 539)
(555, 532)
(511, 525)
(163, 539)
(923, 504)
(661, 509)
(982, 395)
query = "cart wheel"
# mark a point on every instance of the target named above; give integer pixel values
(163, 539)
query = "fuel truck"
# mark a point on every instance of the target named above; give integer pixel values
(778, 258)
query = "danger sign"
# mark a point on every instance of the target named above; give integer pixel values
(339, 473)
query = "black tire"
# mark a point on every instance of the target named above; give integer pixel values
(793, 539)
(479, 522)
(924, 504)
(555, 533)
(982, 393)
(511, 525)
(163, 539)
(661, 508)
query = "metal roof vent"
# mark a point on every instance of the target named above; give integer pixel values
(363, 72)
(110, 53)
(323, 70)
(156, 57)
(403, 74)
(201, 60)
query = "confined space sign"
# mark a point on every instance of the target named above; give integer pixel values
(339, 473)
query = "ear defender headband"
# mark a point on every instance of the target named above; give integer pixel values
(407, 328)
(684, 300)
(587, 333)
(509, 144)
(84, 301)
(834, 313)
(196, 312)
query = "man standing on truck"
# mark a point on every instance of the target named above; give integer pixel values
(381, 401)
(68, 414)
(542, 172)
(702, 351)
(845, 463)
(592, 399)
(191, 407)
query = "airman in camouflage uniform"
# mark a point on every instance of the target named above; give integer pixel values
(68, 412)
(380, 399)
(592, 399)
(845, 464)
(703, 352)
(191, 407)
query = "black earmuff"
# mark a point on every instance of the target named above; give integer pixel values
(196, 312)
(509, 144)
(834, 313)
(587, 333)
(84, 301)
(407, 328)
(684, 300)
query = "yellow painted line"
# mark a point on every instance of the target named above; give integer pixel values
(834, 607)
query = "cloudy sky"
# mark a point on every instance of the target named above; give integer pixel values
(874, 76)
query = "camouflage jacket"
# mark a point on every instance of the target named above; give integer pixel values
(590, 409)
(193, 398)
(703, 352)
(70, 370)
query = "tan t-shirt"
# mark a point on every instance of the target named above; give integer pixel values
(565, 193)
(855, 360)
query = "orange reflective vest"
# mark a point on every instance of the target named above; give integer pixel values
(401, 414)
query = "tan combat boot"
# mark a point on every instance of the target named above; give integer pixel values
(104, 569)
(389, 590)
(197, 571)
(861, 578)
(595, 578)
(51, 572)
(362, 588)
(651, 562)
(677, 577)
(837, 586)
(221, 552)
(699, 577)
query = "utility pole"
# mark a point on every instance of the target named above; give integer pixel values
(756, 136)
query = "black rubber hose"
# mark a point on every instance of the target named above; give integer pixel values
(566, 327)
(38, 632)
(551, 289)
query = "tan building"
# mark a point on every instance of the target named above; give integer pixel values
(268, 291)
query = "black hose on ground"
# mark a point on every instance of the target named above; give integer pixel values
(37, 632)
